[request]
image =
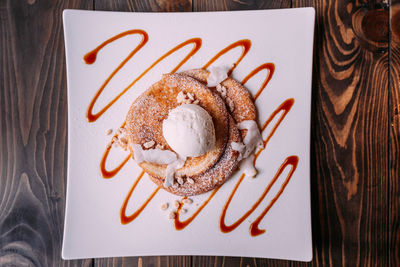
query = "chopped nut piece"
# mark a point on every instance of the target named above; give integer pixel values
(175, 185)
(230, 103)
(187, 101)
(190, 180)
(187, 201)
(109, 131)
(191, 96)
(164, 206)
(181, 97)
(179, 180)
(120, 130)
(123, 145)
(182, 211)
(172, 215)
(149, 144)
(176, 204)
(160, 146)
(222, 90)
(254, 174)
(196, 102)
(115, 139)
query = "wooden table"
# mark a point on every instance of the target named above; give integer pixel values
(355, 132)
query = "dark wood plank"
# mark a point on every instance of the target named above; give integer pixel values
(144, 6)
(212, 261)
(33, 128)
(177, 261)
(350, 130)
(218, 5)
(395, 135)
(350, 179)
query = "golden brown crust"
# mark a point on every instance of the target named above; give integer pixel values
(241, 97)
(144, 123)
(146, 115)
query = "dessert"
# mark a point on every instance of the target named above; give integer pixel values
(230, 106)
(189, 130)
(201, 166)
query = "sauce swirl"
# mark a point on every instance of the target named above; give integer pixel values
(91, 57)
(127, 219)
(293, 161)
(285, 107)
(266, 66)
(104, 172)
(245, 44)
(179, 225)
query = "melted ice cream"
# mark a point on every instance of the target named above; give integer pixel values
(246, 149)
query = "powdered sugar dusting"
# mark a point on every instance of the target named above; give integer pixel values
(144, 124)
(241, 108)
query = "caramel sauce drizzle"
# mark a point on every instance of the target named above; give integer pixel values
(285, 107)
(293, 161)
(254, 230)
(106, 173)
(266, 66)
(127, 219)
(90, 58)
(179, 225)
(245, 44)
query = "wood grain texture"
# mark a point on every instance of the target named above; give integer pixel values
(144, 6)
(178, 261)
(33, 127)
(350, 178)
(395, 135)
(217, 5)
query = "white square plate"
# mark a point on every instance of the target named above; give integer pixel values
(92, 221)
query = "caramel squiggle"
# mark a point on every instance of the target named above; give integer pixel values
(127, 219)
(285, 107)
(245, 44)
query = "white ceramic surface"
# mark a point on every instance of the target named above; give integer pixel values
(92, 221)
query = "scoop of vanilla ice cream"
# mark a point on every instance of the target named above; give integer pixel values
(189, 130)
